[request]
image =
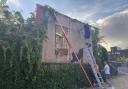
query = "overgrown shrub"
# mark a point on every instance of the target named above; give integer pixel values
(20, 52)
(65, 76)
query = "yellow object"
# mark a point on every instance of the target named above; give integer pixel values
(59, 34)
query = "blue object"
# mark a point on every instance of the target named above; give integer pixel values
(87, 31)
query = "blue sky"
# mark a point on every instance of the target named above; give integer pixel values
(84, 10)
(111, 16)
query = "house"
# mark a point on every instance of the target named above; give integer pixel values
(55, 48)
(117, 52)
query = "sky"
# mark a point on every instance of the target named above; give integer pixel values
(111, 16)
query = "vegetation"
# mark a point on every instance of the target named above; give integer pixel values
(20, 48)
(65, 77)
(99, 51)
(122, 59)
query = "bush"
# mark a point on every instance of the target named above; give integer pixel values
(64, 76)
(46, 77)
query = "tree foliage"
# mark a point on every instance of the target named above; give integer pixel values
(122, 59)
(103, 54)
(20, 50)
(100, 52)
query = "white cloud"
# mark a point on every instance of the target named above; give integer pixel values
(82, 16)
(83, 13)
(115, 29)
(16, 3)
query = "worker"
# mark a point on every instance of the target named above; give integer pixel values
(96, 67)
(79, 55)
(107, 73)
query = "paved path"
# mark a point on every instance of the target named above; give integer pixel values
(120, 82)
(123, 70)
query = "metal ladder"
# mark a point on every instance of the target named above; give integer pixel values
(92, 61)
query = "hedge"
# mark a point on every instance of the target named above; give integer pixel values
(66, 76)
(48, 77)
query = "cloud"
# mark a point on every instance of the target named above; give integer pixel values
(115, 29)
(83, 13)
(82, 16)
(112, 5)
(16, 3)
(91, 11)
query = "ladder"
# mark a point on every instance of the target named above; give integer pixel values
(92, 62)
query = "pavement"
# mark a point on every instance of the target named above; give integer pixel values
(121, 80)
(123, 70)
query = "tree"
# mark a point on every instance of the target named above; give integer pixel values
(20, 50)
(103, 54)
(4, 9)
(95, 41)
(100, 52)
(2, 3)
(122, 59)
